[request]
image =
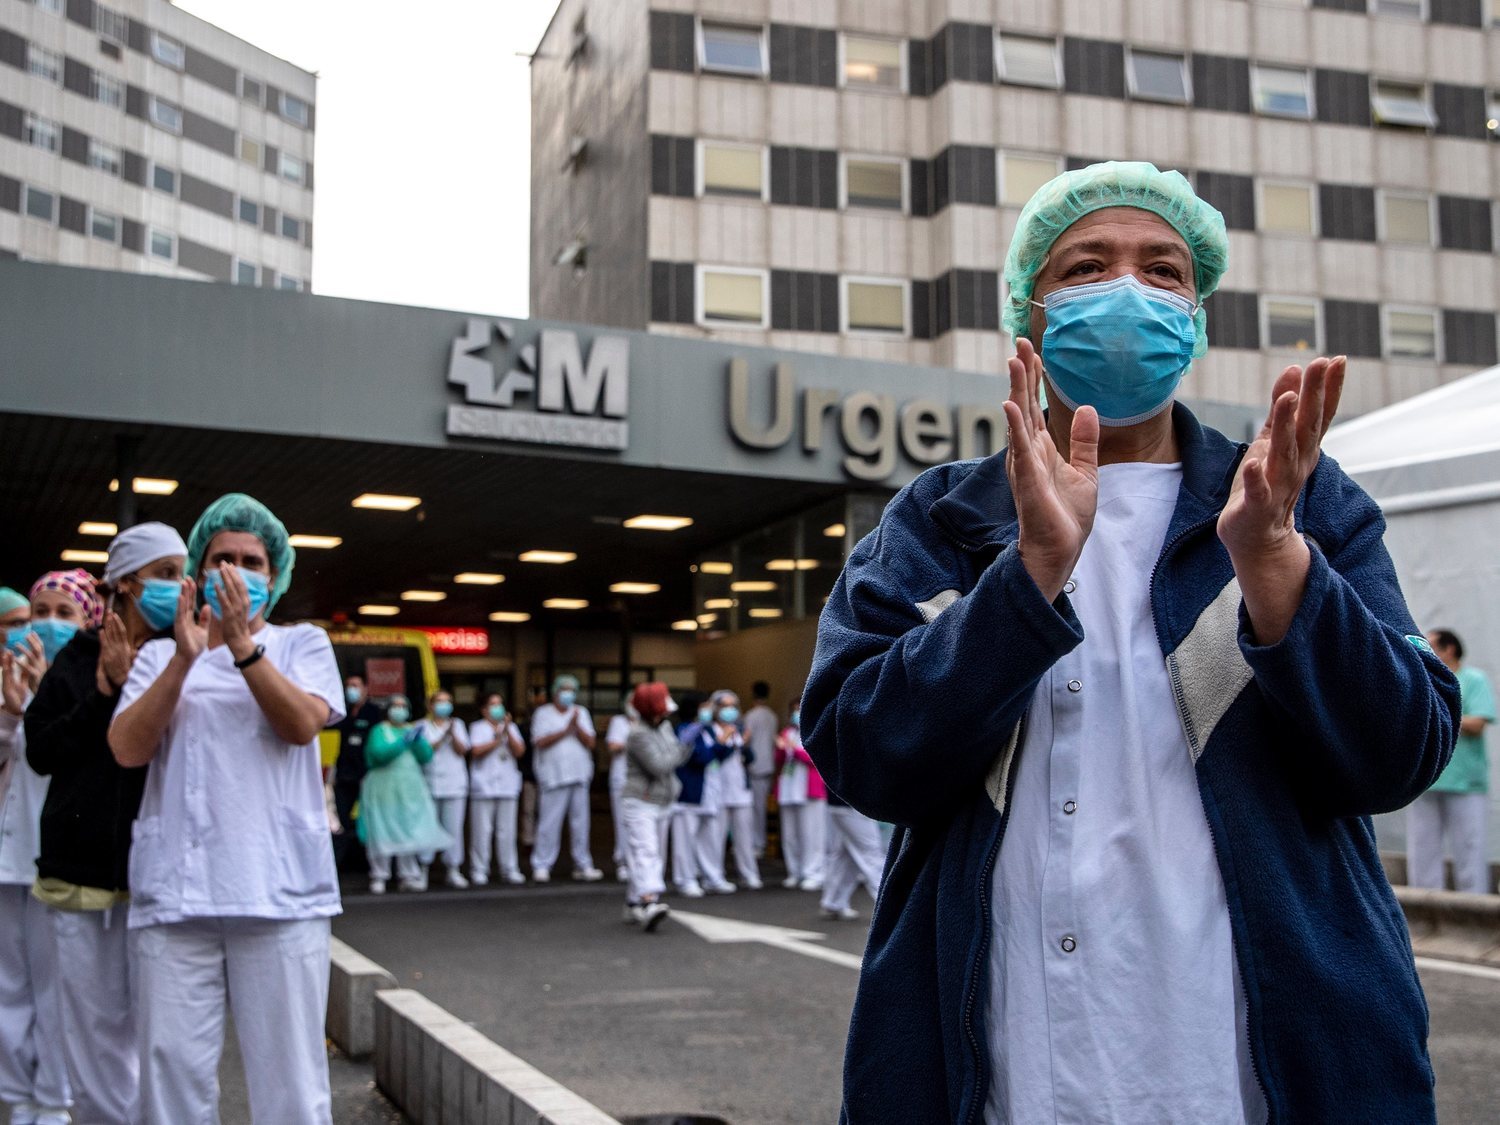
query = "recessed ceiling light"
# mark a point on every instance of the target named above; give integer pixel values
(634, 588)
(422, 595)
(835, 531)
(658, 523)
(707, 618)
(792, 564)
(316, 542)
(719, 603)
(379, 610)
(382, 502)
(687, 625)
(765, 612)
(477, 578)
(507, 617)
(97, 527)
(566, 603)
(547, 556)
(79, 556)
(716, 568)
(149, 486)
(752, 587)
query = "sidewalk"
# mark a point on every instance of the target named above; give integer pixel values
(355, 1099)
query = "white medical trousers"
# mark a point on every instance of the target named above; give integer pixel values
(571, 801)
(694, 834)
(760, 792)
(32, 1070)
(855, 855)
(803, 831)
(408, 867)
(492, 831)
(617, 818)
(641, 835)
(98, 1020)
(273, 977)
(450, 811)
(737, 825)
(1460, 817)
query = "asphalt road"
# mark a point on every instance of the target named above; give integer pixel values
(751, 1034)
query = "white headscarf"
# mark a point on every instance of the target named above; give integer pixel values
(139, 546)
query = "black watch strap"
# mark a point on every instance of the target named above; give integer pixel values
(260, 650)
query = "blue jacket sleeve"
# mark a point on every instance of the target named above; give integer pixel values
(904, 716)
(1372, 713)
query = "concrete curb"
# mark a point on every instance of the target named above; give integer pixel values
(353, 981)
(440, 1071)
(1453, 926)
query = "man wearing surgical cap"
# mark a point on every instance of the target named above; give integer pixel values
(562, 734)
(231, 875)
(1130, 692)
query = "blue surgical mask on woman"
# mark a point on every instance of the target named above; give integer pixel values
(496, 712)
(157, 601)
(353, 695)
(705, 715)
(442, 709)
(398, 714)
(567, 697)
(729, 714)
(54, 633)
(1120, 346)
(257, 586)
(796, 718)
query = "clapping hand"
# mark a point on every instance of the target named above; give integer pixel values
(234, 603)
(115, 656)
(191, 627)
(12, 684)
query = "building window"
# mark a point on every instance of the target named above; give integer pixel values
(292, 284)
(104, 158)
(246, 273)
(1282, 91)
(1401, 103)
(1158, 77)
(1290, 322)
(1028, 62)
(249, 212)
(732, 297)
(874, 305)
(41, 205)
(1410, 334)
(730, 169)
(250, 151)
(290, 168)
(111, 25)
(294, 109)
(106, 90)
(251, 90)
(874, 64)
(1492, 120)
(165, 114)
(168, 51)
(104, 226)
(46, 65)
(1287, 208)
(291, 228)
(1021, 176)
(164, 179)
(163, 246)
(41, 133)
(731, 48)
(1405, 9)
(1406, 218)
(875, 182)
(53, 6)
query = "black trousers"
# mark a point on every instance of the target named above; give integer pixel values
(348, 852)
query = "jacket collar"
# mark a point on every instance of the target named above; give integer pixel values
(980, 511)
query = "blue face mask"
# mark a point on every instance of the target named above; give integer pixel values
(705, 715)
(442, 710)
(398, 714)
(1120, 346)
(796, 718)
(257, 585)
(353, 695)
(496, 713)
(729, 714)
(53, 633)
(157, 601)
(15, 638)
(566, 698)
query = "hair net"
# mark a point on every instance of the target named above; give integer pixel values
(238, 512)
(140, 546)
(10, 599)
(564, 681)
(1063, 200)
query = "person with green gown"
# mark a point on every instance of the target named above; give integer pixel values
(397, 818)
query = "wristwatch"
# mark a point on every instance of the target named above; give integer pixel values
(260, 650)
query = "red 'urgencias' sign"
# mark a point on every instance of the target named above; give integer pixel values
(457, 641)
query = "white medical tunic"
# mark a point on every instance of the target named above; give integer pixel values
(1114, 994)
(448, 770)
(567, 761)
(616, 733)
(232, 823)
(496, 773)
(21, 808)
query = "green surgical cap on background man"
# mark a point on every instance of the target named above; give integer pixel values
(10, 600)
(238, 512)
(1063, 200)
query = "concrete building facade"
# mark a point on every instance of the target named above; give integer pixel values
(844, 176)
(137, 137)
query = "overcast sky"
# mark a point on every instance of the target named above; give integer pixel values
(423, 142)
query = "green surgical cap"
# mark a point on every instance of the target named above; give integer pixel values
(238, 512)
(1063, 200)
(10, 600)
(564, 681)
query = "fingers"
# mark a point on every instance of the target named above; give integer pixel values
(205, 615)
(1033, 383)
(1334, 389)
(1309, 421)
(1083, 441)
(1019, 438)
(187, 600)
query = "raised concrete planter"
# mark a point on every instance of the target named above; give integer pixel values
(440, 1071)
(1453, 926)
(353, 981)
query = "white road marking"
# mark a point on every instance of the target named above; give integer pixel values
(712, 928)
(1462, 967)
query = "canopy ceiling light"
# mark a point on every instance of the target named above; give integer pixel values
(316, 542)
(98, 527)
(687, 625)
(509, 617)
(634, 588)
(835, 531)
(422, 595)
(566, 603)
(384, 502)
(792, 564)
(148, 486)
(555, 557)
(478, 578)
(716, 568)
(379, 610)
(658, 523)
(719, 603)
(751, 586)
(75, 555)
(765, 612)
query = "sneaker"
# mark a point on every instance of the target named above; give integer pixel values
(541, 875)
(622, 874)
(412, 884)
(514, 878)
(753, 884)
(651, 914)
(479, 880)
(690, 890)
(587, 874)
(811, 884)
(724, 888)
(633, 913)
(843, 914)
(377, 886)
(791, 882)
(457, 881)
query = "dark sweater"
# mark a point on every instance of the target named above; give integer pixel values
(92, 801)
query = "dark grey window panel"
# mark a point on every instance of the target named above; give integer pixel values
(208, 69)
(110, 50)
(12, 49)
(672, 170)
(1340, 5)
(1346, 211)
(804, 301)
(941, 169)
(72, 214)
(1342, 96)
(1460, 13)
(270, 158)
(1465, 223)
(75, 146)
(672, 44)
(204, 259)
(307, 174)
(12, 120)
(918, 68)
(921, 310)
(1232, 194)
(132, 167)
(1352, 328)
(273, 98)
(804, 56)
(82, 12)
(209, 133)
(9, 255)
(1222, 83)
(132, 235)
(804, 177)
(1233, 320)
(1094, 66)
(270, 221)
(10, 194)
(937, 62)
(1469, 337)
(921, 188)
(78, 77)
(137, 36)
(267, 278)
(942, 305)
(672, 292)
(971, 52)
(1073, 163)
(976, 299)
(307, 233)
(1461, 110)
(971, 174)
(135, 101)
(210, 197)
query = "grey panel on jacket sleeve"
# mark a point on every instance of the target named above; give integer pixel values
(1347, 211)
(208, 69)
(1465, 223)
(1209, 668)
(204, 259)
(209, 133)
(1469, 337)
(1221, 82)
(1352, 328)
